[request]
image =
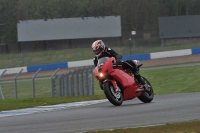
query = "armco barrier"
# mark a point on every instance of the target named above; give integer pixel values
(196, 51)
(80, 63)
(148, 56)
(45, 67)
(137, 57)
(13, 70)
(174, 53)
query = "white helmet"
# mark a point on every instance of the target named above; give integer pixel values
(98, 47)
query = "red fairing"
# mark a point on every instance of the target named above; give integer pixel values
(96, 73)
(126, 81)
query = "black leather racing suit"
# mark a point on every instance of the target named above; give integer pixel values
(128, 64)
(108, 52)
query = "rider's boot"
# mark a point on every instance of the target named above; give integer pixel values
(135, 70)
(141, 80)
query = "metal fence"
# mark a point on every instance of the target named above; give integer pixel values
(74, 83)
(79, 82)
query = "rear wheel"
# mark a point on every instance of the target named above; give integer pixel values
(115, 97)
(148, 94)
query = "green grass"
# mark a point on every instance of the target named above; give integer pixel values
(174, 80)
(66, 55)
(32, 102)
(183, 127)
(25, 89)
(164, 81)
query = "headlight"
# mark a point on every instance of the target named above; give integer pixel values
(101, 75)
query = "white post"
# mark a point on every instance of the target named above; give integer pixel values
(1, 93)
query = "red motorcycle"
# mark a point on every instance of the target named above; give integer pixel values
(119, 84)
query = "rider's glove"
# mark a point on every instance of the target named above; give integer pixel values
(119, 59)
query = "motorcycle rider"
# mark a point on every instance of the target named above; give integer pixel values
(100, 50)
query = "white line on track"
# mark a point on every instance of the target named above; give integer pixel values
(48, 108)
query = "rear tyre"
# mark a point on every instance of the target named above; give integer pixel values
(148, 94)
(116, 98)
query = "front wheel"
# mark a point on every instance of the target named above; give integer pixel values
(148, 94)
(115, 97)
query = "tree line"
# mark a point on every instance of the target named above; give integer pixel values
(135, 14)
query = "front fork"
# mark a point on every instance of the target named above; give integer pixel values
(115, 90)
(114, 83)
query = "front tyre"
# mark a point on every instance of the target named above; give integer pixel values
(148, 94)
(115, 97)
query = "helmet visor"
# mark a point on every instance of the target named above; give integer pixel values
(96, 52)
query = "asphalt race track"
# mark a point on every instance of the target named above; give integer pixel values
(133, 113)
